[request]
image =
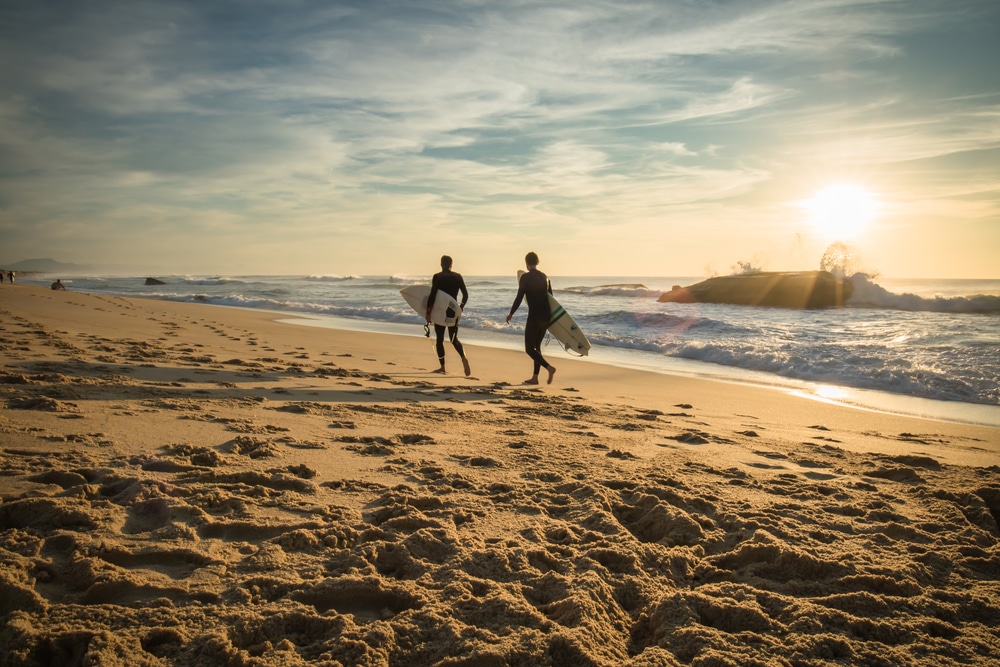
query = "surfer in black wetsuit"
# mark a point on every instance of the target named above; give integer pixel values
(534, 286)
(450, 283)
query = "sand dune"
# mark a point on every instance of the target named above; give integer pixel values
(191, 485)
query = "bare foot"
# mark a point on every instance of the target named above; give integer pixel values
(440, 370)
(468, 368)
(533, 380)
(552, 374)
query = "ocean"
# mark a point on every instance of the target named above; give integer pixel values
(919, 347)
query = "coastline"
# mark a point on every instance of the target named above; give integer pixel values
(326, 494)
(974, 414)
(894, 356)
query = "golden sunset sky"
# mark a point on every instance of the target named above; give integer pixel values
(613, 138)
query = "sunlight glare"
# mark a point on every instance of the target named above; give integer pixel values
(831, 392)
(841, 211)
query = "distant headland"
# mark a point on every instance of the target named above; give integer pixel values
(46, 265)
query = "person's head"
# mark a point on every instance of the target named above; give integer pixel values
(446, 262)
(531, 260)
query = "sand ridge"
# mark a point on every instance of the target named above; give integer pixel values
(188, 485)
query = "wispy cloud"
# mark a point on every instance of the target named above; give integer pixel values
(331, 131)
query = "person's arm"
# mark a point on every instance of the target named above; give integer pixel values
(518, 299)
(463, 291)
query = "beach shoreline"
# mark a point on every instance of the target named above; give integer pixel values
(194, 484)
(905, 354)
(975, 414)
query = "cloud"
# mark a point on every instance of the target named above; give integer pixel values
(357, 121)
(676, 148)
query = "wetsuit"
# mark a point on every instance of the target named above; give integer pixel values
(450, 283)
(534, 287)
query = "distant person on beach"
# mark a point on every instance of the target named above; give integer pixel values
(1, 276)
(10, 277)
(450, 283)
(534, 286)
(58, 285)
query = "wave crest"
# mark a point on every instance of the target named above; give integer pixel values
(868, 294)
(617, 289)
(216, 280)
(329, 278)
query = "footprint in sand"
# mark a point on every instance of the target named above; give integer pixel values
(692, 438)
(362, 600)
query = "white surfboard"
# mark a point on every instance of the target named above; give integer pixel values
(564, 328)
(417, 296)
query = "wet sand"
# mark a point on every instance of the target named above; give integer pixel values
(194, 485)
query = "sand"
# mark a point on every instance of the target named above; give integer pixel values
(185, 484)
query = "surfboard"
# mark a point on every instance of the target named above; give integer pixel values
(564, 328)
(446, 312)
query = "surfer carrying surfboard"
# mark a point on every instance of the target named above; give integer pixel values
(450, 283)
(534, 287)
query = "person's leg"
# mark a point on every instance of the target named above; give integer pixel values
(534, 334)
(453, 335)
(439, 346)
(541, 362)
(529, 349)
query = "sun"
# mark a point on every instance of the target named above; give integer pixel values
(841, 211)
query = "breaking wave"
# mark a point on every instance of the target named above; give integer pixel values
(868, 294)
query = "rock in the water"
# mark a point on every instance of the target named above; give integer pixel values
(154, 281)
(801, 289)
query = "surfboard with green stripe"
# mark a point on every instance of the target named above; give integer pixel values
(564, 328)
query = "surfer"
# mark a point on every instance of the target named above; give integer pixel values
(450, 283)
(534, 286)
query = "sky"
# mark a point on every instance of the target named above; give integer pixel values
(658, 138)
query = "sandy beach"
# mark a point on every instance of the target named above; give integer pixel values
(196, 485)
